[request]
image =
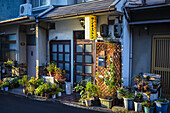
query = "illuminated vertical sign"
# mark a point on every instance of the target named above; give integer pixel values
(93, 27)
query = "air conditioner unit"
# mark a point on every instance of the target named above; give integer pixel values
(25, 9)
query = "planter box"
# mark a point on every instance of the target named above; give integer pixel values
(106, 103)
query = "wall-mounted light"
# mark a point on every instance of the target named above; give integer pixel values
(82, 23)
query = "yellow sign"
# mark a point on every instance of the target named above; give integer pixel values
(93, 27)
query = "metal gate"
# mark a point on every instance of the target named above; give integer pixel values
(161, 61)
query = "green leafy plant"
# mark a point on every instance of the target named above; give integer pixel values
(129, 95)
(39, 90)
(5, 84)
(51, 67)
(148, 77)
(24, 80)
(87, 92)
(122, 92)
(31, 89)
(47, 87)
(35, 81)
(9, 63)
(162, 100)
(155, 83)
(138, 97)
(139, 76)
(148, 104)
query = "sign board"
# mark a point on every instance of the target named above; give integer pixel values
(93, 27)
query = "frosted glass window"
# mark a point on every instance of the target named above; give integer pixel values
(54, 48)
(60, 57)
(54, 56)
(67, 48)
(44, 2)
(88, 58)
(88, 48)
(12, 46)
(12, 37)
(67, 67)
(88, 69)
(79, 68)
(79, 48)
(67, 57)
(79, 58)
(60, 47)
(60, 65)
(79, 79)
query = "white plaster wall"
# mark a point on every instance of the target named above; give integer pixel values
(12, 29)
(22, 48)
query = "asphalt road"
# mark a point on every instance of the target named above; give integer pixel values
(10, 103)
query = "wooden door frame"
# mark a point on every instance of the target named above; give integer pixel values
(62, 42)
(84, 41)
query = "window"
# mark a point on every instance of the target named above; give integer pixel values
(40, 3)
(81, 1)
(7, 47)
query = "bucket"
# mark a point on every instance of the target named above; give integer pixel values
(128, 103)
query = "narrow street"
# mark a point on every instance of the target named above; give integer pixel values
(10, 103)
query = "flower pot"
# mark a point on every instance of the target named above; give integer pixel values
(88, 102)
(59, 94)
(54, 96)
(6, 88)
(128, 103)
(161, 107)
(155, 86)
(106, 103)
(138, 106)
(149, 110)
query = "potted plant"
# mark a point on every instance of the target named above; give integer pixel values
(148, 77)
(5, 86)
(47, 89)
(59, 90)
(31, 89)
(60, 75)
(162, 105)
(138, 102)
(86, 92)
(121, 93)
(155, 84)
(147, 87)
(138, 78)
(24, 83)
(128, 101)
(9, 63)
(39, 90)
(140, 85)
(51, 68)
(148, 106)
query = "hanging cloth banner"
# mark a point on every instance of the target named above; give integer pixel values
(93, 27)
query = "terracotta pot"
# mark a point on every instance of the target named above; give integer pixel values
(155, 86)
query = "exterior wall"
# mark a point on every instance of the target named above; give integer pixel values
(22, 48)
(142, 45)
(41, 38)
(10, 8)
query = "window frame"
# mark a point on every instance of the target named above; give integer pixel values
(39, 5)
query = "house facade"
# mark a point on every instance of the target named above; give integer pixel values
(149, 40)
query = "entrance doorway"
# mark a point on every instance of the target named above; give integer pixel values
(60, 54)
(83, 61)
(161, 61)
(31, 55)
